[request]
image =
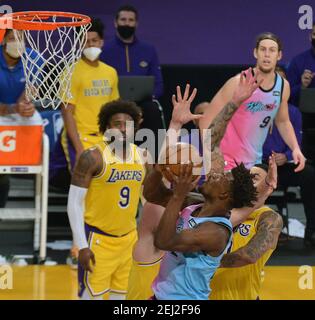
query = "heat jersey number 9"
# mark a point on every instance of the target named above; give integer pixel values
(265, 122)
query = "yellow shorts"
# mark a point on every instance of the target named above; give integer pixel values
(141, 278)
(113, 257)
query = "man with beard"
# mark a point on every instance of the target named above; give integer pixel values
(129, 55)
(249, 126)
(103, 201)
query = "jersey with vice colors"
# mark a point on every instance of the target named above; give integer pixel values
(247, 130)
(91, 87)
(186, 275)
(112, 199)
(242, 283)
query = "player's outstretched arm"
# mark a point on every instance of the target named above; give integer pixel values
(268, 230)
(245, 87)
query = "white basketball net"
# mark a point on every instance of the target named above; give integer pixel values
(49, 61)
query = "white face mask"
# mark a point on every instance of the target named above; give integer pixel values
(12, 49)
(92, 53)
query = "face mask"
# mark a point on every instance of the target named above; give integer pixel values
(12, 49)
(126, 32)
(313, 42)
(92, 53)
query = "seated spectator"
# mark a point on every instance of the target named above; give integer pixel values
(305, 179)
(301, 71)
(12, 94)
(301, 75)
(131, 57)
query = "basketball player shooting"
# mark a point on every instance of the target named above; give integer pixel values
(196, 236)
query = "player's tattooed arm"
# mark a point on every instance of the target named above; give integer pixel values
(245, 85)
(89, 164)
(268, 230)
(220, 122)
(214, 136)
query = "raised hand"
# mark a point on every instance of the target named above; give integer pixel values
(185, 181)
(181, 106)
(272, 176)
(247, 85)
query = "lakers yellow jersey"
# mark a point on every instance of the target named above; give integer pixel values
(141, 277)
(91, 87)
(112, 199)
(242, 283)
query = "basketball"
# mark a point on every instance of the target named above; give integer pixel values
(178, 154)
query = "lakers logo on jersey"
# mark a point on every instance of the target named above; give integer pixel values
(127, 175)
(244, 229)
(112, 199)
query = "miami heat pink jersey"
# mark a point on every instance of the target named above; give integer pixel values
(249, 126)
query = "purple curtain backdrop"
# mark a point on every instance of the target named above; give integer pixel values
(199, 31)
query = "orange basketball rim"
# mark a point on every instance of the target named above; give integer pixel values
(40, 20)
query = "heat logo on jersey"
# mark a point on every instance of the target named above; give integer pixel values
(244, 229)
(124, 175)
(258, 106)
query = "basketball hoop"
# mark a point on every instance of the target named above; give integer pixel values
(54, 42)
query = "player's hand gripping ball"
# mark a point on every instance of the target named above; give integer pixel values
(178, 154)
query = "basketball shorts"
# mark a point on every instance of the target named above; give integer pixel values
(141, 278)
(113, 258)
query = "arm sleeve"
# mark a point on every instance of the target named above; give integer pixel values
(155, 70)
(76, 215)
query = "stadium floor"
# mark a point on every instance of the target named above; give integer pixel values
(59, 283)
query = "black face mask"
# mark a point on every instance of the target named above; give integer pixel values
(313, 42)
(126, 31)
